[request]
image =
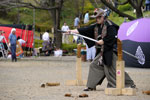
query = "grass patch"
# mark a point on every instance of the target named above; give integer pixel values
(38, 43)
(3, 21)
(69, 47)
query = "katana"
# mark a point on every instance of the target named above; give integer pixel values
(131, 55)
(79, 35)
(84, 37)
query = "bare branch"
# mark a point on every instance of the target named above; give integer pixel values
(123, 3)
(132, 3)
(93, 3)
(116, 10)
(12, 4)
(37, 2)
(141, 3)
(96, 3)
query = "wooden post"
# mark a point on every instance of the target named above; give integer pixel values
(120, 77)
(78, 81)
(120, 67)
(78, 66)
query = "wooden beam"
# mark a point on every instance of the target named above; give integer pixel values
(120, 74)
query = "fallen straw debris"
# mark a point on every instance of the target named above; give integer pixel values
(68, 95)
(52, 84)
(83, 95)
(146, 92)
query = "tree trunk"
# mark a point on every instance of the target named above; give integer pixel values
(77, 7)
(58, 35)
(116, 10)
(83, 2)
(139, 13)
(56, 14)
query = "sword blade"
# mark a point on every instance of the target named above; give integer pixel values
(84, 37)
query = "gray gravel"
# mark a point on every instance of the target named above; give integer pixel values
(21, 80)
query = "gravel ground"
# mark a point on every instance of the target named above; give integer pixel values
(22, 80)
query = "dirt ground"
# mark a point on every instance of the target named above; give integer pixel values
(22, 80)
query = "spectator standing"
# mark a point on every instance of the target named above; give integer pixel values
(13, 42)
(86, 17)
(76, 25)
(147, 3)
(65, 37)
(76, 22)
(45, 36)
(46, 43)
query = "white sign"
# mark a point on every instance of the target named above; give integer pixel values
(140, 55)
(132, 28)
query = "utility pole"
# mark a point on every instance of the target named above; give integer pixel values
(33, 30)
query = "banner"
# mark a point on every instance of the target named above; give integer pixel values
(24, 31)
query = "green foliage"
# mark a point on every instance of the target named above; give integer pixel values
(88, 6)
(116, 20)
(69, 47)
(3, 21)
(125, 7)
(43, 28)
(38, 43)
(11, 16)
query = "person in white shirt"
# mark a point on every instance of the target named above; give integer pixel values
(45, 36)
(1, 43)
(21, 41)
(86, 17)
(58, 52)
(46, 43)
(65, 37)
(90, 53)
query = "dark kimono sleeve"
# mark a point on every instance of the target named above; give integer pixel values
(109, 39)
(89, 32)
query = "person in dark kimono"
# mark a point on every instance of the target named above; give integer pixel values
(104, 64)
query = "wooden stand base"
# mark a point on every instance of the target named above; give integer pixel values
(124, 91)
(120, 82)
(78, 81)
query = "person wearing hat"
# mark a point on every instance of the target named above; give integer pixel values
(13, 41)
(104, 64)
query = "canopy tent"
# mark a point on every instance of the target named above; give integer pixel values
(135, 36)
(24, 31)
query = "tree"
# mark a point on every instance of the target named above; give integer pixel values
(53, 7)
(94, 3)
(136, 4)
